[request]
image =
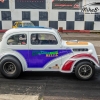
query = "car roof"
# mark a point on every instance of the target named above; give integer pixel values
(29, 29)
(34, 27)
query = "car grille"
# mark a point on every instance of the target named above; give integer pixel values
(80, 49)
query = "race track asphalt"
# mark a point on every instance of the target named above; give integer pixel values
(52, 86)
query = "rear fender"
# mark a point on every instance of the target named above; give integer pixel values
(18, 56)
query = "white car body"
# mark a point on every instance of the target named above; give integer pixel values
(61, 57)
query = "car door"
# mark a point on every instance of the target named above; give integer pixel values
(44, 51)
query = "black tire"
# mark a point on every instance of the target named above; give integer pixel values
(10, 67)
(84, 70)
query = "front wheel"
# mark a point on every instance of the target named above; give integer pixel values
(10, 67)
(84, 70)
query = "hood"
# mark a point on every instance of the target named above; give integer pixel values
(76, 43)
(79, 47)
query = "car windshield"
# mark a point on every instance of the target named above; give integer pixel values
(59, 34)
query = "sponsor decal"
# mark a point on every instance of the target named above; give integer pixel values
(55, 67)
(91, 8)
(47, 53)
(67, 4)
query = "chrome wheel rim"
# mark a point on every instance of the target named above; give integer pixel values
(9, 68)
(85, 71)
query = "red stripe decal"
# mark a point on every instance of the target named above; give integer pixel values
(67, 66)
(85, 55)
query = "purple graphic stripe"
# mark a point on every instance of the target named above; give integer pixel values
(39, 58)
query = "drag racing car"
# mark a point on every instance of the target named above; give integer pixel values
(22, 24)
(42, 49)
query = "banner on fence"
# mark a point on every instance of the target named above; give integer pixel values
(30, 4)
(67, 4)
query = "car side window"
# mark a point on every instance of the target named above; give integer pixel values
(18, 39)
(43, 39)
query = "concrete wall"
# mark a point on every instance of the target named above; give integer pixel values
(66, 18)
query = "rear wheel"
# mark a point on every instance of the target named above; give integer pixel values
(84, 70)
(10, 67)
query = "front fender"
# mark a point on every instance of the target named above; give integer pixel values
(86, 56)
(18, 56)
(69, 65)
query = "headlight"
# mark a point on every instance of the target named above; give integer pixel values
(90, 51)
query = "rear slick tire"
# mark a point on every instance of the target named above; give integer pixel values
(10, 67)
